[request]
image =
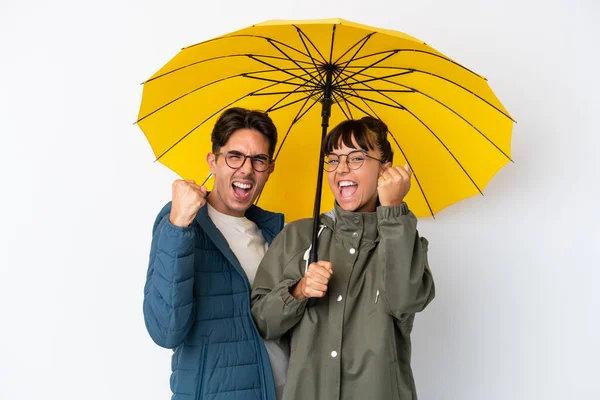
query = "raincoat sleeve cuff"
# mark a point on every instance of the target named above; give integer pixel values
(391, 212)
(292, 304)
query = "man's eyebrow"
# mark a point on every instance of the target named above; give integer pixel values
(252, 155)
(241, 152)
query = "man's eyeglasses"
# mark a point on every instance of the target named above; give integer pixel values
(235, 159)
(354, 160)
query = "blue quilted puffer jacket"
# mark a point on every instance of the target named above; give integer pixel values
(197, 301)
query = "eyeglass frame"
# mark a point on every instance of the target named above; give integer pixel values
(348, 162)
(252, 157)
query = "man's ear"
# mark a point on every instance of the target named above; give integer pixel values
(271, 168)
(211, 160)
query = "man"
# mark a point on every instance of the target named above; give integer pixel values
(372, 277)
(204, 255)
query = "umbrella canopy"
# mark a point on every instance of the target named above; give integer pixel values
(443, 119)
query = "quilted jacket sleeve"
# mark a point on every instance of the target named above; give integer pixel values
(168, 293)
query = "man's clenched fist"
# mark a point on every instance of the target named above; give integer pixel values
(188, 198)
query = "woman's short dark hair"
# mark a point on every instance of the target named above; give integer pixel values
(368, 132)
(236, 118)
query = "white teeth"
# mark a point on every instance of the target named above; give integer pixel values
(346, 183)
(242, 185)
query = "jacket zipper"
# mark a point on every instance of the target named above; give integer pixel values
(258, 348)
(202, 368)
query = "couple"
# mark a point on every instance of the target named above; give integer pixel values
(352, 341)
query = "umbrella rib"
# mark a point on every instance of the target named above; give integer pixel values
(405, 157)
(286, 96)
(414, 174)
(372, 65)
(212, 115)
(396, 51)
(286, 82)
(347, 93)
(435, 76)
(310, 41)
(277, 68)
(198, 126)
(288, 93)
(383, 90)
(212, 59)
(430, 130)
(373, 78)
(292, 60)
(265, 71)
(364, 40)
(447, 149)
(414, 90)
(288, 104)
(294, 121)
(348, 106)
(318, 99)
(356, 106)
(332, 43)
(195, 90)
(342, 109)
(310, 54)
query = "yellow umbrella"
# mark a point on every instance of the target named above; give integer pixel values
(444, 119)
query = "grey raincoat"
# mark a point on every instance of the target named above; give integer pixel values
(354, 343)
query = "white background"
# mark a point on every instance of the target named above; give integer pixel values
(516, 313)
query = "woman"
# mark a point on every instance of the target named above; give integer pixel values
(354, 342)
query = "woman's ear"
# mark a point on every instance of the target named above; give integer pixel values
(384, 167)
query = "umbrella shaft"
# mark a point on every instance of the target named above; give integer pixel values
(325, 114)
(326, 102)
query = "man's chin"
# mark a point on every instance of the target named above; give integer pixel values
(241, 204)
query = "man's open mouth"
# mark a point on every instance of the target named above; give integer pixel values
(242, 190)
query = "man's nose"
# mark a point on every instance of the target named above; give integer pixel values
(246, 167)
